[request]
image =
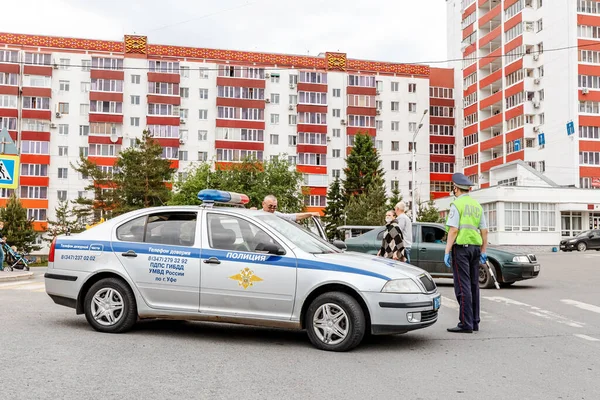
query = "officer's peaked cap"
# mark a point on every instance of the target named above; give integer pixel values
(461, 181)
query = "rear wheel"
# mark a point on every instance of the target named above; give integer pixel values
(110, 306)
(486, 281)
(335, 321)
(581, 246)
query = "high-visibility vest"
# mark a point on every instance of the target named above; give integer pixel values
(470, 212)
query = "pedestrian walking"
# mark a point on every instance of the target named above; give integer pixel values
(270, 205)
(465, 251)
(405, 225)
(392, 244)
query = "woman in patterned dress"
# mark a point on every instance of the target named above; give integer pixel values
(392, 244)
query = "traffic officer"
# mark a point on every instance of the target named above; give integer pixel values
(465, 251)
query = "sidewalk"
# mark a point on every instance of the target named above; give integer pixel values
(16, 275)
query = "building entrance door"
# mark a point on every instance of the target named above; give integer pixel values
(594, 221)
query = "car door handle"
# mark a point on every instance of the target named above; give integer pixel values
(212, 260)
(129, 253)
(423, 249)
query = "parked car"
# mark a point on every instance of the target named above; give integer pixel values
(427, 252)
(585, 240)
(226, 264)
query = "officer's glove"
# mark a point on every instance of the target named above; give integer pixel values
(483, 258)
(447, 260)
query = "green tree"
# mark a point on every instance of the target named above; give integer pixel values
(369, 207)
(140, 176)
(428, 212)
(395, 199)
(334, 212)
(254, 178)
(65, 222)
(102, 186)
(363, 166)
(82, 211)
(18, 229)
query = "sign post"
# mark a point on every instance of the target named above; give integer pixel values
(9, 161)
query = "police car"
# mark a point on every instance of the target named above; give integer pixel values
(234, 265)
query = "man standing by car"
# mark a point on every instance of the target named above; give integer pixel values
(270, 205)
(465, 251)
(405, 226)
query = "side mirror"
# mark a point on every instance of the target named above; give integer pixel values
(271, 248)
(340, 244)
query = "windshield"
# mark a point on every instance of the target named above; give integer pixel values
(584, 233)
(305, 240)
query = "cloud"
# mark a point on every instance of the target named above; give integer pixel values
(399, 31)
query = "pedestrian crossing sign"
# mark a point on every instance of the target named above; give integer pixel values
(9, 171)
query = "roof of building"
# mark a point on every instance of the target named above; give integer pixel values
(530, 169)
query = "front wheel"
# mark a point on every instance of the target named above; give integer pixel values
(581, 246)
(335, 322)
(110, 306)
(486, 281)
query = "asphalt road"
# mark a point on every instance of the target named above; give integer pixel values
(539, 339)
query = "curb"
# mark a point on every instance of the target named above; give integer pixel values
(16, 277)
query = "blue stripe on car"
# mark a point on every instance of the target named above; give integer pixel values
(180, 251)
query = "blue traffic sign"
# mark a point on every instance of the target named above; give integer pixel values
(9, 171)
(541, 139)
(517, 145)
(570, 128)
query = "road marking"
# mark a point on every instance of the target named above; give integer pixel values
(453, 304)
(586, 337)
(583, 306)
(33, 286)
(9, 285)
(538, 312)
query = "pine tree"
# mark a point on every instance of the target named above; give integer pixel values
(65, 222)
(140, 176)
(18, 229)
(395, 199)
(428, 213)
(82, 209)
(363, 165)
(101, 185)
(369, 207)
(334, 212)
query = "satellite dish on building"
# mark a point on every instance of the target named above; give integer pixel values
(114, 138)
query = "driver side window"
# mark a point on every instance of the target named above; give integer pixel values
(226, 232)
(431, 234)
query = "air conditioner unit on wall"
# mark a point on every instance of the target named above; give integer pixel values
(291, 108)
(292, 86)
(536, 57)
(536, 128)
(267, 100)
(585, 91)
(343, 122)
(182, 121)
(267, 75)
(536, 81)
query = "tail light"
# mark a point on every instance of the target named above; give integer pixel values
(51, 252)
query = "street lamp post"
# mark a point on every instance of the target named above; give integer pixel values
(414, 166)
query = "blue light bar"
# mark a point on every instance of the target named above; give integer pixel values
(221, 196)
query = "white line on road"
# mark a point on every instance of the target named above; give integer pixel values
(453, 304)
(538, 312)
(14, 284)
(583, 306)
(586, 337)
(33, 286)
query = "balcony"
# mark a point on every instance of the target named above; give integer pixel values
(489, 120)
(491, 16)
(492, 61)
(491, 100)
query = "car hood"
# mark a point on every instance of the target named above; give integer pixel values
(384, 268)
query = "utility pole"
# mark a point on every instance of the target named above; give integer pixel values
(414, 167)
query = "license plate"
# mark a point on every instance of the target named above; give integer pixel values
(436, 302)
(536, 268)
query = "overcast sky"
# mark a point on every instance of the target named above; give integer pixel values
(386, 30)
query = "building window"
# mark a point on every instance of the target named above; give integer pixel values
(292, 140)
(292, 119)
(274, 78)
(63, 129)
(395, 87)
(203, 73)
(63, 173)
(275, 98)
(63, 108)
(337, 93)
(395, 125)
(335, 173)
(202, 135)
(489, 211)
(412, 146)
(203, 94)
(412, 107)
(86, 65)
(134, 121)
(84, 130)
(64, 63)
(274, 139)
(395, 165)
(336, 153)
(135, 100)
(63, 86)
(62, 195)
(292, 160)
(293, 79)
(293, 99)
(184, 92)
(202, 156)
(570, 224)
(84, 109)
(83, 152)
(529, 217)
(336, 113)
(63, 151)
(135, 79)
(315, 201)
(85, 87)
(183, 155)
(184, 72)
(337, 132)
(508, 182)
(395, 106)
(203, 115)
(395, 146)
(394, 185)
(274, 119)
(412, 88)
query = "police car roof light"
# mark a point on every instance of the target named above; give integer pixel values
(221, 196)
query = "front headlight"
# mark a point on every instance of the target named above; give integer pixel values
(521, 259)
(572, 240)
(401, 286)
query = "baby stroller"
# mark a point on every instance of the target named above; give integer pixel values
(14, 259)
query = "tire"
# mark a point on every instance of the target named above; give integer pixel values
(506, 284)
(352, 322)
(581, 246)
(110, 290)
(486, 281)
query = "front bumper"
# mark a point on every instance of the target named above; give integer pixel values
(512, 272)
(390, 312)
(568, 246)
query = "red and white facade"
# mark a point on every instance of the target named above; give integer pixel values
(63, 97)
(529, 67)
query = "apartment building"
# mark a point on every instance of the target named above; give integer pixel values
(530, 87)
(61, 98)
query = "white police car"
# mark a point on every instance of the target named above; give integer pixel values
(228, 264)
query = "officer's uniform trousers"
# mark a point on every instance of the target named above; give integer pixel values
(465, 270)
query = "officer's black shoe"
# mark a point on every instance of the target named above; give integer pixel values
(456, 329)
(475, 329)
